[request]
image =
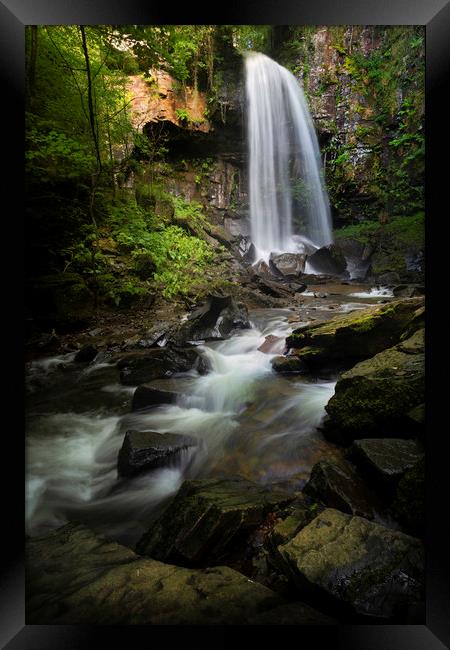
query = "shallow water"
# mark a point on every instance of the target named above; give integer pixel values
(248, 420)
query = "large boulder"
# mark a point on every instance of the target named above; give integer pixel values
(375, 397)
(145, 397)
(207, 517)
(288, 264)
(215, 319)
(384, 461)
(86, 354)
(360, 566)
(409, 503)
(144, 450)
(141, 367)
(328, 259)
(356, 335)
(76, 577)
(339, 486)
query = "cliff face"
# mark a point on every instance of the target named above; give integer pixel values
(365, 89)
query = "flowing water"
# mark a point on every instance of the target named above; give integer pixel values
(248, 420)
(285, 169)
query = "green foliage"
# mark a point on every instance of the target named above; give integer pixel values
(178, 256)
(53, 155)
(180, 259)
(252, 37)
(408, 230)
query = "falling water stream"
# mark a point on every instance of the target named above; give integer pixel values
(248, 420)
(284, 162)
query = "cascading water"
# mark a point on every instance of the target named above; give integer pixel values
(284, 161)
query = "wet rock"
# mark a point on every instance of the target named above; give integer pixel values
(384, 461)
(290, 363)
(328, 259)
(262, 269)
(297, 288)
(273, 289)
(358, 565)
(146, 396)
(295, 516)
(76, 577)
(409, 503)
(207, 518)
(144, 450)
(86, 354)
(288, 263)
(339, 486)
(156, 363)
(408, 291)
(373, 399)
(215, 319)
(356, 335)
(269, 343)
(155, 335)
(247, 250)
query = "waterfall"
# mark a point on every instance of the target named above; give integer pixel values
(285, 169)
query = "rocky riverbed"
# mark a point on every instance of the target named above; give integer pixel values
(264, 465)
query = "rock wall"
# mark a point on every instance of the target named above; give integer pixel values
(365, 89)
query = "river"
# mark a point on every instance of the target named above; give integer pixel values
(248, 420)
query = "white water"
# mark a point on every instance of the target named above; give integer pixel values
(374, 292)
(248, 421)
(283, 155)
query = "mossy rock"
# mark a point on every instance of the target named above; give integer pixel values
(409, 503)
(385, 461)
(357, 335)
(207, 518)
(77, 577)
(337, 485)
(360, 567)
(374, 398)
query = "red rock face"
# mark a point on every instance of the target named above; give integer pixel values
(159, 99)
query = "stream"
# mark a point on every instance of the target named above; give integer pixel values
(249, 421)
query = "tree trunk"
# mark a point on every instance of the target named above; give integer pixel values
(90, 98)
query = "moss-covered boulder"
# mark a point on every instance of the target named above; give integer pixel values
(76, 577)
(409, 503)
(207, 518)
(384, 461)
(144, 450)
(359, 566)
(375, 397)
(293, 518)
(339, 486)
(357, 335)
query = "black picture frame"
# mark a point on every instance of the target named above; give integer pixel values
(14, 16)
